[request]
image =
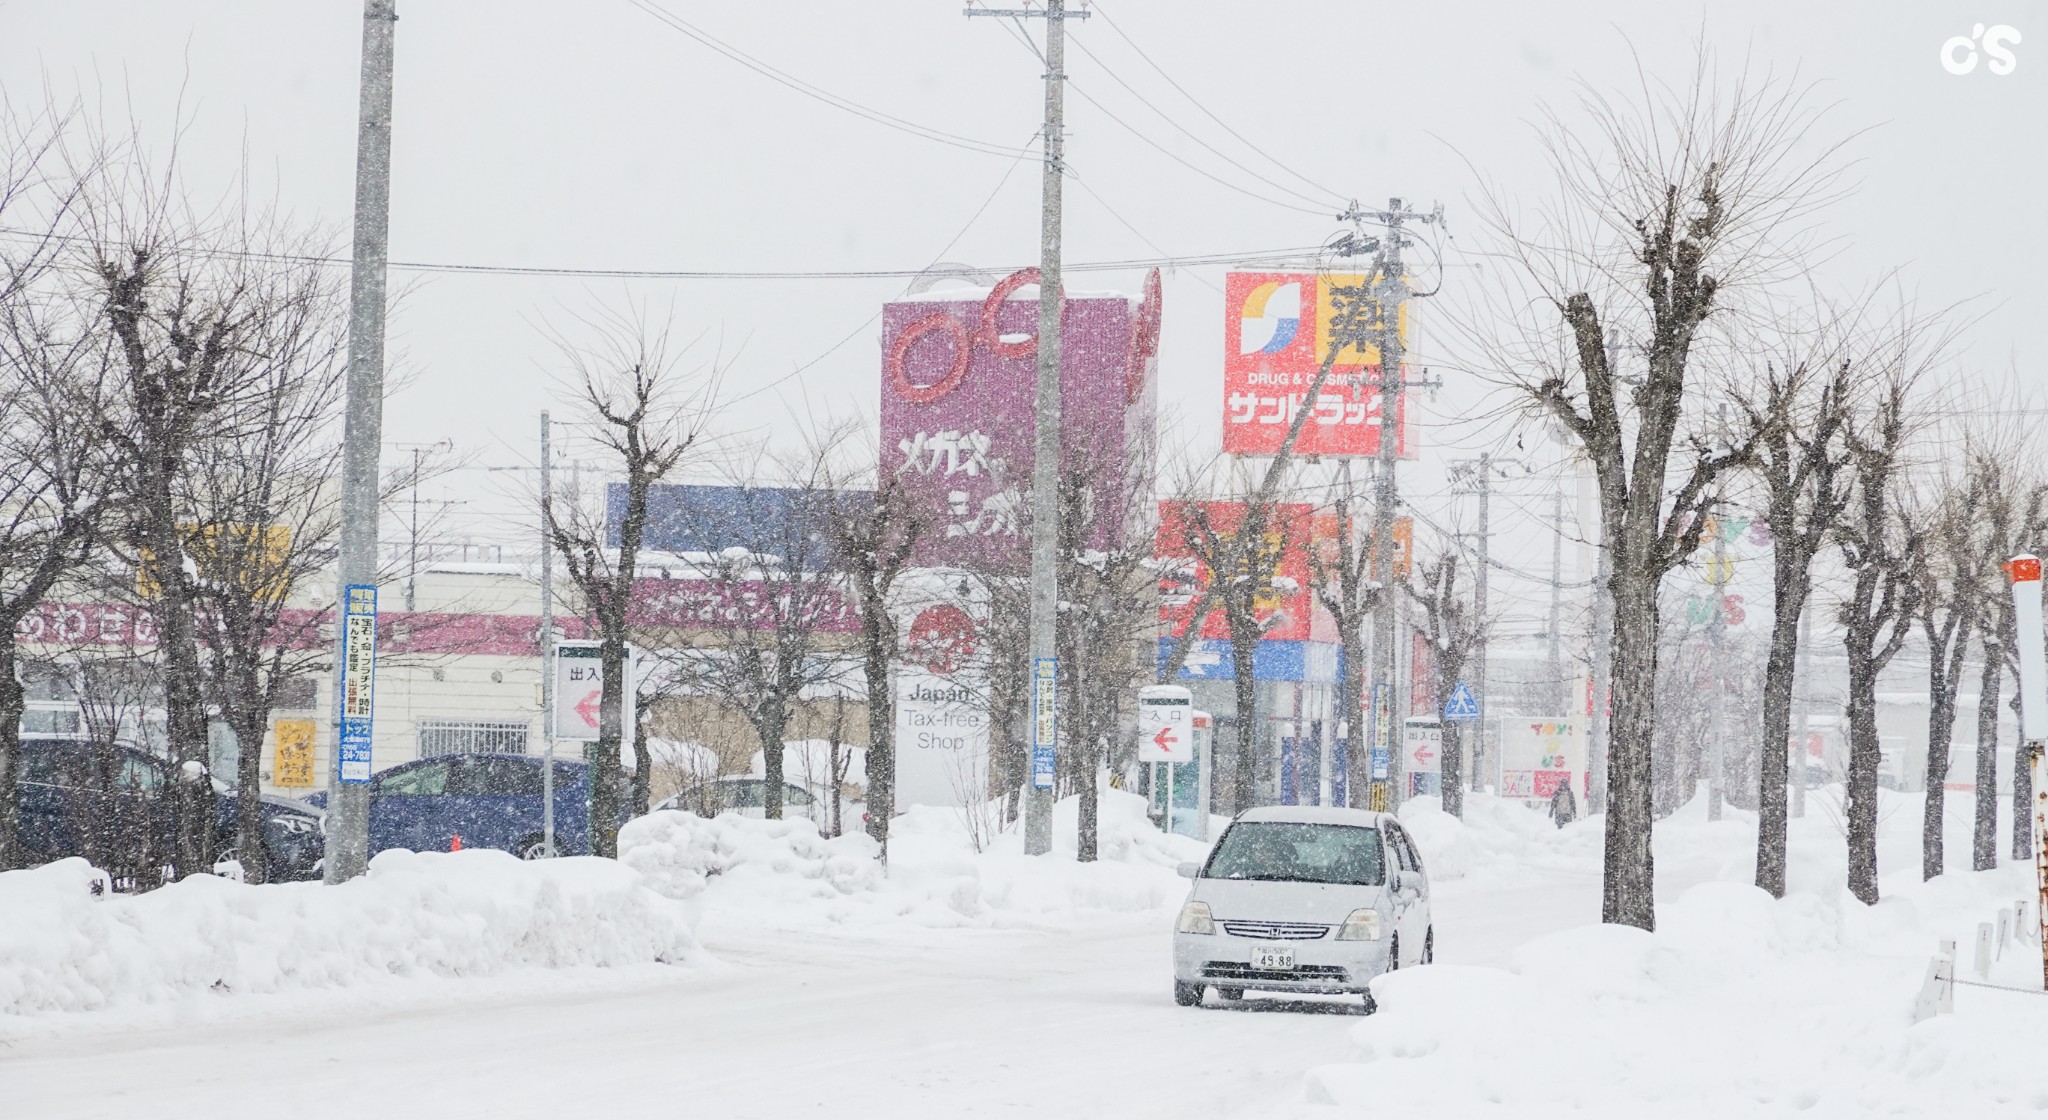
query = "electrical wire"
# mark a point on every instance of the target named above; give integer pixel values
(936, 258)
(1161, 71)
(1018, 34)
(1183, 130)
(844, 104)
(1256, 256)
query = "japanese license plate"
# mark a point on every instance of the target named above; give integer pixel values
(1272, 958)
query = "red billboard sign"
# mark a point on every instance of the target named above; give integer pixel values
(1286, 612)
(1276, 331)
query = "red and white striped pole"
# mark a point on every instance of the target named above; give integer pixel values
(2025, 572)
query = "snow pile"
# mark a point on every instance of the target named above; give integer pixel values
(947, 868)
(1497, 842)
(1737, 1004)
(67, 944)
(679, 854)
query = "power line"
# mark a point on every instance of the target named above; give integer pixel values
(1255, 256)
(1183, 130)
(1161, 71)
(844, 104)
(1161, 149)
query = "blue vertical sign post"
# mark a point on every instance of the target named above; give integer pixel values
(1377, 795)
(1045, 707)
(358, 680)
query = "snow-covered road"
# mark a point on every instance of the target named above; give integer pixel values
(881, 1023)
(1003, 985)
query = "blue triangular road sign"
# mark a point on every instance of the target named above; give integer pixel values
(1462, 705)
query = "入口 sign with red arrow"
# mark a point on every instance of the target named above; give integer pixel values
(579, 692)
(1166, 724)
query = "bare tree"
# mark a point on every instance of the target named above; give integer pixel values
(1348, 588)
(1109, 614)
(52, 486)
(1238, 545)
(1795, 424)
(51, 482)
(1672, 211)
(1882, 543)
(1452, 628)
(874, 533)
(768, 567)
(260, 523)
(196, 315)
(1952, 593)
(2012, 514)
(646, 416)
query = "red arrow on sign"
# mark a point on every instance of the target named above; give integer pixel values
(589, 706)
(1164, 740)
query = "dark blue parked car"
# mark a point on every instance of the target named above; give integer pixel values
(489, 800)
(113, 806)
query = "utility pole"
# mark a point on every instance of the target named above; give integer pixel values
(1560, 688)
(1603, 679)
(1481, 693)
(547, 642)
(1717, 631)
(1391, 293)
(348, 802)
(1801, 680)
(1045, 454)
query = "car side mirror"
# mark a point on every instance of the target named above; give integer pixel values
(1396, 882)
(1188, 870)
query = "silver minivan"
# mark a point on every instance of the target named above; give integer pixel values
(1302, 899)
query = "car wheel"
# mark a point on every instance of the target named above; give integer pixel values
(1232, 995)
(1370, 1006)
(1187, 995)
(1394, 953)
(1429, 946)
(535, 847)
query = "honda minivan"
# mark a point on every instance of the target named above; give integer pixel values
(1302, 899)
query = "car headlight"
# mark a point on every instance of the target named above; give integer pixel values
(1362, 925)
(1195, 918)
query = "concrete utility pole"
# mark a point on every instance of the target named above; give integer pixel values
(1802, 679)
(348, 803)
(547, 642)
(1391, 292)
(1482, 692)
(1566, 704)
(1603, 680)
(1045, 453)
(1717, 631)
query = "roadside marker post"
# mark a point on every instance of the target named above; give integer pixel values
(2025, 572)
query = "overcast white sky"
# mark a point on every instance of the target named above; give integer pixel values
(592, 135)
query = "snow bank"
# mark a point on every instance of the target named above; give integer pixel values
(943, 870)
(66, 944)
(1738, 1003)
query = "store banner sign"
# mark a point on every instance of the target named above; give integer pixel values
(358, 680)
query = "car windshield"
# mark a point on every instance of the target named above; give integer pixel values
(1298, 852)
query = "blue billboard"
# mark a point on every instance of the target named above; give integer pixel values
(789, 522)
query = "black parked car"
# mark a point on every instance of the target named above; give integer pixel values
(113, 805)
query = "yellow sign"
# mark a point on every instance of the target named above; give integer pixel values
(292, 765)
(1344, 295)
(255, 556)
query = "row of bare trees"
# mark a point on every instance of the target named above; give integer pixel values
(171, 377)
(1654, 307)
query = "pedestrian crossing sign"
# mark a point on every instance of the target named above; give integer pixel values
(1462, 705)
